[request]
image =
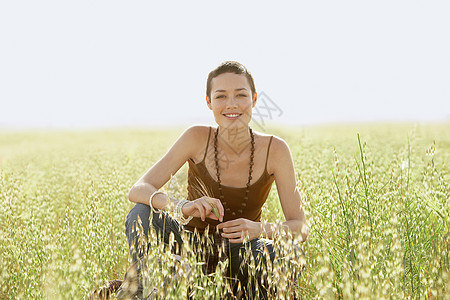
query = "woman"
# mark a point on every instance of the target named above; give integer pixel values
(236, 164)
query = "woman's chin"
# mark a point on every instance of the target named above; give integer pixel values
(238, 123)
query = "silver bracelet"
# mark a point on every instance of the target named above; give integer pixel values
(151, 198)
(182, 219)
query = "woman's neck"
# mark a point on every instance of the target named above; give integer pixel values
(233, 140)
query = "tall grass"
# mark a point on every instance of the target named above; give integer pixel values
(377, 202)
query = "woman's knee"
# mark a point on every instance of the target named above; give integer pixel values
(138, 216)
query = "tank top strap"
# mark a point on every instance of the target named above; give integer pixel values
(207, 143)
(267, 156)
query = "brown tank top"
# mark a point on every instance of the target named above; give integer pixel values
(257, 195)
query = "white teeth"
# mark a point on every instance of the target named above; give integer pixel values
(232, 115)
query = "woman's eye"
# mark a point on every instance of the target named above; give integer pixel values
(242, 95)
(220, 96)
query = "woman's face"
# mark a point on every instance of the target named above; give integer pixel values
(231, 100)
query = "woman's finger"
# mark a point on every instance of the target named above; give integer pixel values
(238, 228)
(217, 210)
(233, 235)
(200, 209)
(211, 206)
(212, 216)
(231, 223)
(236, 241)
(210, 212)
(220, 209)
(208, 207)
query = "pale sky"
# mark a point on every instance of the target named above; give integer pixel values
(90, 64)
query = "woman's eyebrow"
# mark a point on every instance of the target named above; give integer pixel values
(236, 90)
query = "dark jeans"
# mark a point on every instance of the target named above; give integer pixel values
(164, 224)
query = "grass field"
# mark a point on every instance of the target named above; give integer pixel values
(378, 206)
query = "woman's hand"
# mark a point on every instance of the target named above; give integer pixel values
(236, 230)
(203, 208)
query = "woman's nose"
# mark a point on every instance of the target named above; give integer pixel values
(232, 102)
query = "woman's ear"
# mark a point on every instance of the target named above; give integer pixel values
(208, 102)
(255, 97)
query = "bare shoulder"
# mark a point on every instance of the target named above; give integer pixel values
(196, 137)
(279, 155)
(189, 139)
(197, 131)
(277, 147)
(280, 146)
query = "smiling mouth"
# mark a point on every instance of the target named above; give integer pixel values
(232, 116)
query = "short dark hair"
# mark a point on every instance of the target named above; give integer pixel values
(229, 67)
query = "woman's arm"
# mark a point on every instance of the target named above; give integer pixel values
(167, 166)
(291, 203)
(186, 146)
